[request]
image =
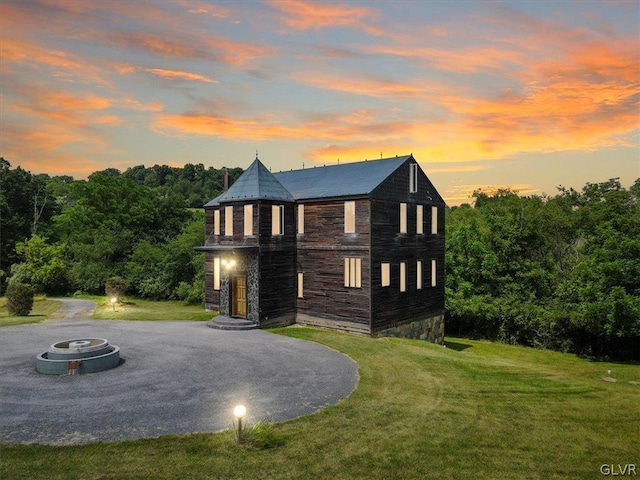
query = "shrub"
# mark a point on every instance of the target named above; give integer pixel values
(19, 299)
(115, 287)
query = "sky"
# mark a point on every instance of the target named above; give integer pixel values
(485, 95)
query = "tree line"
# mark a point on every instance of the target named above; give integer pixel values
(62, 235)
(559, 272)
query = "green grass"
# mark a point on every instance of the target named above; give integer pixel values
(474, 410)
(139, 309)
(43, 308)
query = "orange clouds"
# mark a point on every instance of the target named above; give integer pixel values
(303, 15)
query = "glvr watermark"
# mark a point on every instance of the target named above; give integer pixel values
(618, 470)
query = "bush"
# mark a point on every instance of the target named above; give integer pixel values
(115, 287)
(19, 299)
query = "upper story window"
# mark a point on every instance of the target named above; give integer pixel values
(301, 218)
(349, 217)
(216, 222)
(248, 220)
(434, 275)
(353, 272)
(228, 221)
(385, 273)
(403, 218)
(434, 219)
(277, 220)
(413, 178)
(419, 219)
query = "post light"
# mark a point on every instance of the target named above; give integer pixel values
(113, 303)
(239, 412)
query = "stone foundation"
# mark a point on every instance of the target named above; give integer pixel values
(430, 329)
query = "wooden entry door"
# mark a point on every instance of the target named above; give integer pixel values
(239, 296)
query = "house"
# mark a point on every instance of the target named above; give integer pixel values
(356, 247)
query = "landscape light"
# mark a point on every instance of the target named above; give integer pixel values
(239, 412)
(113, 303)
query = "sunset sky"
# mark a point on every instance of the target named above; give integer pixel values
(529, 95)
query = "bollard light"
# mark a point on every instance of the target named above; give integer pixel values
(113, 303)
(239, 412)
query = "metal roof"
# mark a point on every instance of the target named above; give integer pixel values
(255, 183)
(347, 179)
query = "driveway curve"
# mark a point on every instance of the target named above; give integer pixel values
(175, 378)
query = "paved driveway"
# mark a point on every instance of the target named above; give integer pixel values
(176, 377)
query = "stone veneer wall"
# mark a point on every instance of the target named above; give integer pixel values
(430, 329)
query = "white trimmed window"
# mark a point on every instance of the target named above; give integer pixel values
(228, 221)
(385, 274)
(403, 276)
(216, 273)
(248, 220)
(419, 274)
(434, 275)
(300, 285)
(413, 178)
(277, 220)
(349, 217)
(434, 220)
(301, 218)
(403, 218)
(353, 272)
(216, 222)
(419, 219)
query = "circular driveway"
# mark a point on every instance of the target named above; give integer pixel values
(175, 377)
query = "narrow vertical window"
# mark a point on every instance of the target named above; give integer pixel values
(301, 218)
(216, 273)
(385, 273)
(277, 220)
(403, 218)
(353, 272)
(434, 274)
(300, 285)
(228, 221)
(403, 276)
(248, 220)
(434, 219)
(413, 178)
(419, 219)
(419, 274)
(349, 217)
(216, 222)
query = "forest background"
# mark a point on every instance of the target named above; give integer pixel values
(559, 272)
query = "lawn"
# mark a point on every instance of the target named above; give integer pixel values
(474, 410)
(42, 309)
(139, 309)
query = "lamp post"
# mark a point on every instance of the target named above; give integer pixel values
(239, 412)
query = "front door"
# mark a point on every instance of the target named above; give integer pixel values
(239, 296)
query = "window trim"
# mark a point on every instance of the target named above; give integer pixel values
(216, 221)
(277, 220)
(385, 274)
(413, 177)
(353, 272)
(248, 220)
(228, 221)
(350, 217)
(403, 218)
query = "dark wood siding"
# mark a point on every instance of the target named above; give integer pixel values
(321, 253)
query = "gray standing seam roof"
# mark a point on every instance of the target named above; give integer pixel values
(255, 183)
(348, 179)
